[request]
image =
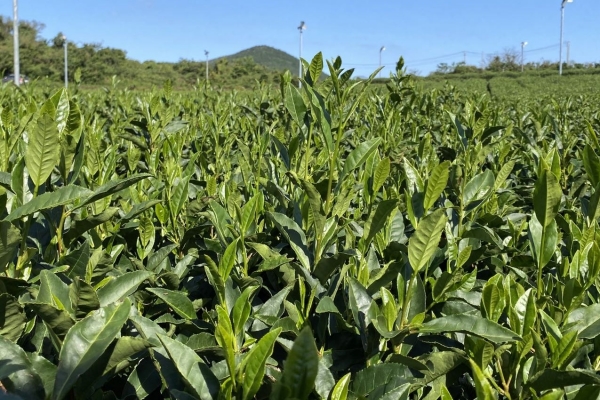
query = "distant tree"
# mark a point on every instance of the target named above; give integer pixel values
(58, 40)
(508, 60)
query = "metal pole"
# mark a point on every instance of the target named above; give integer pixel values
(300, 61)
(206, 54)
(16, 67)
(66, 62)
(523, 44)
(522, 55)
(562, 22)
(568, 52)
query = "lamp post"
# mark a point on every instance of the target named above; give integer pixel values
(523, 44)
(562, 22)
(301, 29)
(16, 67)
(64, 38)
(381, 50)
(206, 54)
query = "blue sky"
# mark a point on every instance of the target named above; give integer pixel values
(420, 30)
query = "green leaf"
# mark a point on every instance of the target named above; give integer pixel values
(18, 368)
(142, 381)
(504, 174)
(316, 205)
(543, 241)
(158, 256)
(482, 386)
(77, 260)
(379, 379)
(178, 301)
(61, 196)
(83, 298)
(43, 149)
(112, 187)
(425, 240)
(46, 371)
(178, 195)
(585, 321)
(255, 362)
(546, 198)
(79, 227)
(591, 163)
(381, 173)
(294, 103)
(299, 370)
(85, 342)
(59, 321)
(436, 184)
(273, 308)
(478, 188)
(12, 318)
(241, 310)
(249, 213)
(358, 156)
(360, 302)
(475, 325)
(378, 219)
(115, 359)
(316, 68)
(139, 208)
(214, 278)
(225, 338)
(120, 287)
(554, 395)
(553, 379)
(227, 261)
(340, 390)
(414, 181)
(194, 372)
(294, 235)
(418, 300)
(10, 237)
(54, 291)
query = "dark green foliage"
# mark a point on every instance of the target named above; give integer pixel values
(331, 242)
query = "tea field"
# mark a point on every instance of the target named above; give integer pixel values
(323, 242)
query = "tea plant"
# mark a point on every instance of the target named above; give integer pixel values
(326, 242)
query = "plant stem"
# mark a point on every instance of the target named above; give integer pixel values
(59, 233)
(332, 164)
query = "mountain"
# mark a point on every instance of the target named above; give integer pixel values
(269, 57)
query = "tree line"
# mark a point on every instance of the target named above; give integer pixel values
(43, 59)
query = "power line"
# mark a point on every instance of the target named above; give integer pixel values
(430, 60)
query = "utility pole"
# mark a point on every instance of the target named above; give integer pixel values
(562, 23)
(206, 54)
(523, 44)
(66, 62)
(301, 29)
(568, 52)
(465, 57)
(16, 67)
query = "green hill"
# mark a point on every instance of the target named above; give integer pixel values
(269, 57)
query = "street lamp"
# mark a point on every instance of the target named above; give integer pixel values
(64, 38)
(16, 67)
(206, 54)
(381, 50)
(301, 29)
(562, 22)
(523, 44)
